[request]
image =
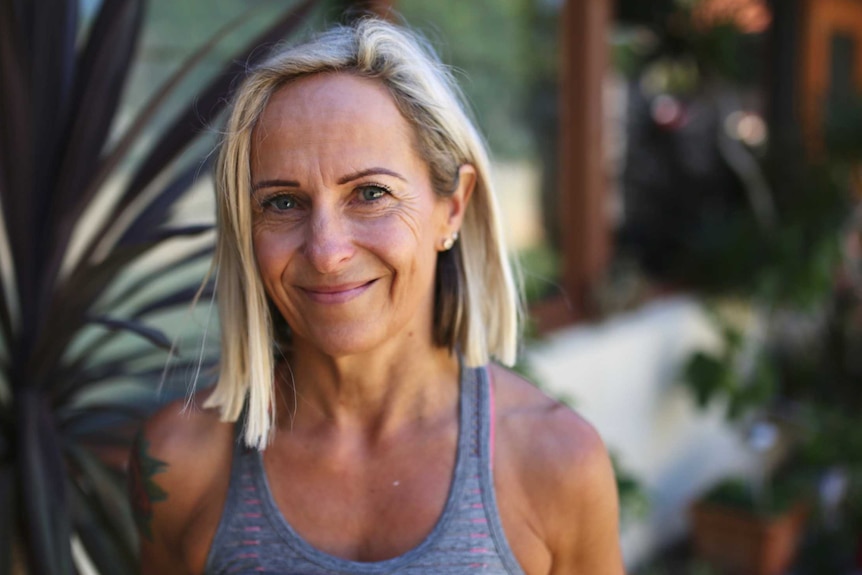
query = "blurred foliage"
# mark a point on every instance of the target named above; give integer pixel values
(672, 30)
(492, 44)
(741, 376)
(799, 268)
(740, 494)
(682, 567)
(539, 267)
(843, 126)
(634, 500)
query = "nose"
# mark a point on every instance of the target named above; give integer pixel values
(329, 241)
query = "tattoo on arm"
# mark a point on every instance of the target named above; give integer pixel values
(143, 490)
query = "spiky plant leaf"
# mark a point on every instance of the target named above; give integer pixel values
(83, 349)
(104, 491)
(7, 504)
(42, 483)
(207, 106)
(147, 280)
(151, 334)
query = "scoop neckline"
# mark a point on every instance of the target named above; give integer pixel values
(329, 561)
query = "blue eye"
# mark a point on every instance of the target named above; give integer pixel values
(281, 203)
(373, 192)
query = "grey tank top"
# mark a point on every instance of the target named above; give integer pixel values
(253, 536)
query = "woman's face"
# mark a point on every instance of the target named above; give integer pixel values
(346, 226)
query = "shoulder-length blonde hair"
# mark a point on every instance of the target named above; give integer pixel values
(476, 304)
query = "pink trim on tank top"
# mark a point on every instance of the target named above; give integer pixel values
(492, 415)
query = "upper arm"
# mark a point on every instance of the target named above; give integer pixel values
(591, 544)
(149, 488)
(174, 465)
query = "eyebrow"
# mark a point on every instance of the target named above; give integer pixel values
(369, 172)
(341, 181)
(275, 184)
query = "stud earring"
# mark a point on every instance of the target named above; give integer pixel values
(450, 241)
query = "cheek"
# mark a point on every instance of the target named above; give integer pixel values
(409, 251)
(271, 252)
(423, 222)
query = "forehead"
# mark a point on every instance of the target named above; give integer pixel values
(332, 105)
(334, 90)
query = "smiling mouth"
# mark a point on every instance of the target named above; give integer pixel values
(336, 293)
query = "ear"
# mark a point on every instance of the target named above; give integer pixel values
(459, 200)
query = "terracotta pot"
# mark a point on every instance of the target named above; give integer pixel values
(740, 543)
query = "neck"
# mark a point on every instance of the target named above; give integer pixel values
(372, 391)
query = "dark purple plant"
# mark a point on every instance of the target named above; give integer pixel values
(59, 96)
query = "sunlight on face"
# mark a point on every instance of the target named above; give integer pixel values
(346, 224)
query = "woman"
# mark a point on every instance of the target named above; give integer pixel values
(359, 239)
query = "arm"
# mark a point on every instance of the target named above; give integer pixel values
(146, 491)
(178, 474)
(592, 545)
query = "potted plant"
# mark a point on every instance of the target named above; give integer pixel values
(739, 531)
(736, 530)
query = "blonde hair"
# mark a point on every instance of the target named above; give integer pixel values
(476, 304)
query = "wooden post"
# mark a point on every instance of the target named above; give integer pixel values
(381, 8)
(823, 19)
(584, 233)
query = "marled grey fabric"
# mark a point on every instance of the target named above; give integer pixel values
(253, 536)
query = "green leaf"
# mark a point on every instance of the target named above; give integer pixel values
(706, 375)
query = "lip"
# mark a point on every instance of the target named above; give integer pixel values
(340, 293)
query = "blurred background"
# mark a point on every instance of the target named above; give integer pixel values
(680, 183)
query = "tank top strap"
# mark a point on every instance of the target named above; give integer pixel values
(486, 416)
(239, 474)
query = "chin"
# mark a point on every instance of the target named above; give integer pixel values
(344, 341)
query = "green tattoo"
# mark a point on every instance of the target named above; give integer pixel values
(142, 489)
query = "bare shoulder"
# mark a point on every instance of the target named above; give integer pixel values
(181, 428)
(179, 463)
(564, 473)
(544, 430)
